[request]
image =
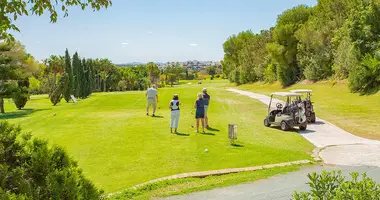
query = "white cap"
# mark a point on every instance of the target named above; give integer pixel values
(204, 90)
(154, 85)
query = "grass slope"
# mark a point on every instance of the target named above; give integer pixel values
(358, 114)
(189, 185)
(118, 146)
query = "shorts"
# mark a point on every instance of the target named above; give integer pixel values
(199, 115)
(206, 108)
(151, 102)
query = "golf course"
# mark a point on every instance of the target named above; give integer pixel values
(118, 146)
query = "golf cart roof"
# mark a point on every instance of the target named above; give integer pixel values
(301, 91)
(286, 94)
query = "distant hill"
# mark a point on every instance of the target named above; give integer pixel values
(130, 64)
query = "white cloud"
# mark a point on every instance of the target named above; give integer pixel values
(193, 45)
(124, 43)
(150, 33)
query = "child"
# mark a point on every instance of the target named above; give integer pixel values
(174, 106)
(200, 111)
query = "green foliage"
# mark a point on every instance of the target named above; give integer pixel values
(283, 50)
(329, 40)
(35, 85)
(76, 75)
(365, 78)
(33, 170)
(270, 74)
(332, 185)
(59, 89)
(211, 71)
(153, 72)
(20, 96)
(69, 71)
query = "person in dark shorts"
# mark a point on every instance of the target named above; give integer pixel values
(206, 98)
(200, 111)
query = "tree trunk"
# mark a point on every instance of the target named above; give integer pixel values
(2, 105)
(105, 85)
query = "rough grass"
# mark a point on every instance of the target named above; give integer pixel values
(358, 114)
(189, 185)
(118, 146)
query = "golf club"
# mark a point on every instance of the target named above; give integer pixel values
(193, 121)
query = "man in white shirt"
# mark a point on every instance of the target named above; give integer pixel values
(152, 99)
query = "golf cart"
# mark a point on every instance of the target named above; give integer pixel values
(310, 114)
(286, 114)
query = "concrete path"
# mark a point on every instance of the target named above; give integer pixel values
(338, 146)
(276, 187)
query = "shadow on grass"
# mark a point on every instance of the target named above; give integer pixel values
(212, 134)
(182, 134)
(237, 145)
(213, 129)
(20, 113)
(158, 116)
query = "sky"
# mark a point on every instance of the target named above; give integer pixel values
(150, 30)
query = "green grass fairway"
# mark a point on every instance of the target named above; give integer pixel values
(358, 114)
(118, 146)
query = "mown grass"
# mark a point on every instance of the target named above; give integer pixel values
(189, 185)
(118, 146)
(355, 113)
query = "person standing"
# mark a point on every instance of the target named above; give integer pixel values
(200, 111)
(152, 99)
(174, 117)
(206, 98)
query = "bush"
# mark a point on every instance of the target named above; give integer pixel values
(57, 93)
(35, 86)
(270, 75)
(20, 96)
(31, 169)
(333, 186)
(365, 78)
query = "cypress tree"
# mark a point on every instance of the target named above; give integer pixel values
(69, 72)
(91, 76)
(84, 79)
(76, 74)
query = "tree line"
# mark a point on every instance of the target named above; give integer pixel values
(335, 39)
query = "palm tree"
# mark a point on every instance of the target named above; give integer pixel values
(56, 65)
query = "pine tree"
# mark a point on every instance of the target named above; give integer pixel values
(69, 71)
(76, 74)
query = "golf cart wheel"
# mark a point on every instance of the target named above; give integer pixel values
(266, 122)
(312, 118)
(284, 126)
(303, 127)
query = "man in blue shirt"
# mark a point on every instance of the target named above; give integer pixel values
(206, 98)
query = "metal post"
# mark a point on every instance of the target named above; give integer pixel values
(232, 133)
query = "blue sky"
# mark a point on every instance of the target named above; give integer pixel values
(150, 30)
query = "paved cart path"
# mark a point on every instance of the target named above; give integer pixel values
(338, 146)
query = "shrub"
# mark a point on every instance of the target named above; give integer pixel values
(31, 169)
(270, 75)
(333, 186)
(366, 77)
(57, 93)
(20, 96)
